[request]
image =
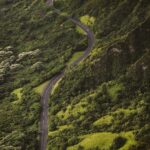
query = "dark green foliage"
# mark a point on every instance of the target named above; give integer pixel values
(20, 121)
(73, 140)
(118, 143)
(80, 147)
(114, 81)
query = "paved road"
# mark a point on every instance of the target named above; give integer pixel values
(48, 89)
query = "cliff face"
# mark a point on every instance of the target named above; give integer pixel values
(103, 103)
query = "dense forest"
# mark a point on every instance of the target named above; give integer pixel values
(103, 103)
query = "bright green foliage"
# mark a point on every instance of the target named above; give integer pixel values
(114, 89)
(103, 120)
(75, 57)
(55, 86)
(60, 129)
(87, 20)
(18, 93)
(130, 140)
(75, 110)
(124, 111)
(40, 88)
(104, 140)
(101, 140)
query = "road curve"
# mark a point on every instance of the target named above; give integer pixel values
(53, 81)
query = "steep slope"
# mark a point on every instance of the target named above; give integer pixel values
(102, 103)
(107, 95)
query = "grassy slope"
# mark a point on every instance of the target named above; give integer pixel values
(104, 140)
(17, 92)
(119, 28)
(39, 89)
(121, 31)
(75, 57)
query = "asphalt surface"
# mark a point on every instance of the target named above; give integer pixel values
(53, 81)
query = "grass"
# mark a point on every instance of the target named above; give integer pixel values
(55, 86)
(39, 89)
(125, 111)
(60, 128)
(80, 30)
(130, 140)
(75, 57)
(76, 110)
(18, 93)
(104, 140)
(106, 120)
(114, 89)
(87, 20)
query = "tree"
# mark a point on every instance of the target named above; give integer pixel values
(118, 143)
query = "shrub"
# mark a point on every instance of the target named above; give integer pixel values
(73, 140)
(118, 143)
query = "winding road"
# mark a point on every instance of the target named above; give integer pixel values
(53, 81)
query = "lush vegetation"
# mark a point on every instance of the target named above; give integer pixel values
(107, 94)
(102, 103)
(34, 46)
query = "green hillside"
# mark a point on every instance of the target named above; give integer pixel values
(103, 103)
